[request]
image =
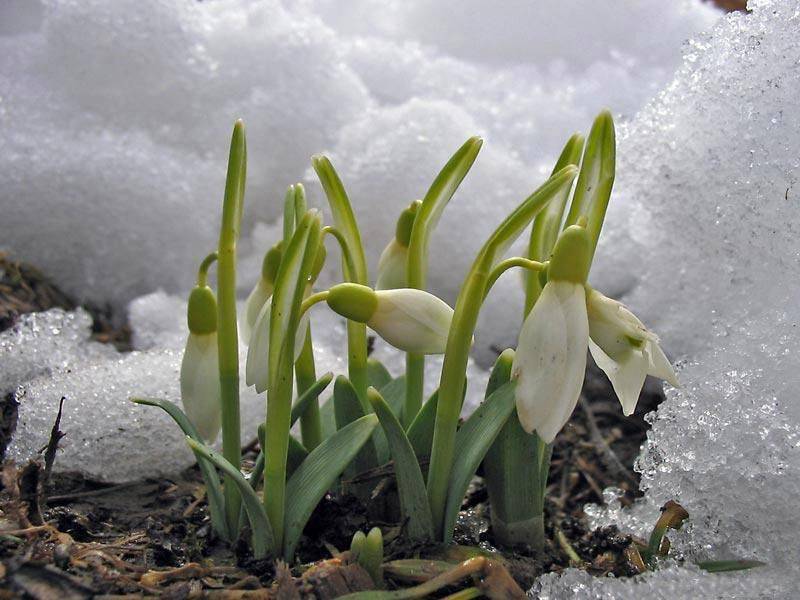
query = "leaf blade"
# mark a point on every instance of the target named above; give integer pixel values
(318, 473)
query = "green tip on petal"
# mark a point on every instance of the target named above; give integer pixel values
(572, 256)
(353, 301)
(202, 311)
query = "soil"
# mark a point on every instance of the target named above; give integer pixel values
(68, 537)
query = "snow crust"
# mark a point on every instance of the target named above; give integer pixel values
(111, 174)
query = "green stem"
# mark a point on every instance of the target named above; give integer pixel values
(347, 256)
(415, 383)
(202, 272)
(509, 263)
(306, 376)
(227, 338)
(287, 303)
(459, 339)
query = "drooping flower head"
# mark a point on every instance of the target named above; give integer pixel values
(261, 292)
(200, 389)
(550, 360)
(409, 319)
(393, 263)
(624, 349)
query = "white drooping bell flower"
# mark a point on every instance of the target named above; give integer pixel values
(624, 349)
(200, 389)
(261, 292)
(393, 263)
(550, 360)
(256, 371)
(411, 320)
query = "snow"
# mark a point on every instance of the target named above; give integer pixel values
(112, 165)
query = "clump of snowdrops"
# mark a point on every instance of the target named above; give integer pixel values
(372, 418)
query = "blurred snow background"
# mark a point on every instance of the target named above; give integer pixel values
(115, 122)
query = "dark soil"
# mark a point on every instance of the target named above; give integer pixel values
(68, 537)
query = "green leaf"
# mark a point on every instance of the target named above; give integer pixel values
(216, 502)
(724, 566)
(318, 473)
(472, 442)
(410, 485)
(420, 433)
(394, 393)
(290, 285)
(433, 205)
(347, 409)
(547, 224)
(593, 189)
(310, 395)
(377, 375)
(343, 217)
(263, 540)
(328, 418)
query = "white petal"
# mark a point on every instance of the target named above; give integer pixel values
(200, 392)
(392, 267)
(412, 320)
(660, 366)
(613, 327)
(626, 374)
(255, 302)
(550, 361)
(256, 370)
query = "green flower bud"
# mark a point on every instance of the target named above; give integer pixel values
(202, 311)
(406, 223)
(272, 262)
(353, 301)
(572, 256)
(319, 261)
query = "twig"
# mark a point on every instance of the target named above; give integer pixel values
(608, 456)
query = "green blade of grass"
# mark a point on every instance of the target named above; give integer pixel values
(216, 501)
(318, 473)
(310, 395)
(724, 566)
(420, 433)
(411, 490)
(263, 540)
(472, 442)
(377, 375)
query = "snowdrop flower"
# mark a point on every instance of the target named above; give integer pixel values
(256, 370)
(411, 320)
(200, 391)
(550, 360)
(624, 349)
(393, 263)
(261, 292)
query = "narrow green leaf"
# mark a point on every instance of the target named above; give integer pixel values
(593, 189)
(433, 205)
(547, 224)
(420, 433)
(511, 469)
(394, 394)
(328, 418)
(318, 473)
(310, 395)
(263, 540)
(290, 286)
(377, 375)
(216, 502)
(343, 217)
(724, 566)
(472, 442)
(295, 455)
(289, 218)
(347, 409)
(410, 485)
